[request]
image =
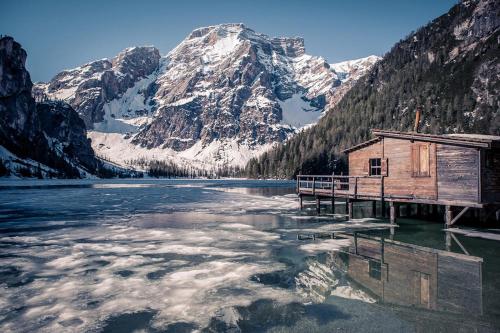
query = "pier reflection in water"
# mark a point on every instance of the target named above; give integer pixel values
(433, 289)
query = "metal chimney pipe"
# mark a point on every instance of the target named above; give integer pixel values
(417, 119)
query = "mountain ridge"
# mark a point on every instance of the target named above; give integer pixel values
(224, 94)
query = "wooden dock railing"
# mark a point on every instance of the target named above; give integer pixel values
(340, 186)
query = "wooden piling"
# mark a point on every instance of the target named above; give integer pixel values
(300, 201)
(392, 212)
(318, 205)
(350, 209)
(448, 240)
(448, 215)
(374, 208)
(333, 205)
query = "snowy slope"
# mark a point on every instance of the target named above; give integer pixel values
(353, 69)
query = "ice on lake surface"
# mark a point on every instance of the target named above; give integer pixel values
(223, 256)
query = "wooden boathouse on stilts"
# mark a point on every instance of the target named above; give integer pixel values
(457, 171)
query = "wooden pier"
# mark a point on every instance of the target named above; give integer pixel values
(400, 168)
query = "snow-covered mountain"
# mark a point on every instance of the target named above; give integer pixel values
(223, 95)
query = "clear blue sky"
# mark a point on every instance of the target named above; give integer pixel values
(64, 34)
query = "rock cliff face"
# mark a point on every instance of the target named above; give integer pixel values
(66, 133)
(17, 120)
(221, 96)
(46, 139)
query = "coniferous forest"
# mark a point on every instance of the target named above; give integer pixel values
(447, 69)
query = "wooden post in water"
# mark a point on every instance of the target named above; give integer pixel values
(318, 205)
(300, 201)
(448, 215)
(448, 240)
(374, 208)
(350, 209)
(392, 212)
(355, 242)
(333, 193)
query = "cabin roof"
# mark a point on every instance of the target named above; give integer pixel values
(467, 140)
(362, 145)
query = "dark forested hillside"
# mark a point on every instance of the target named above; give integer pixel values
(449, 68)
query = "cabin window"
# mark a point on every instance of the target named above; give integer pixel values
(375, 166)
(375, 269)
(420, 160)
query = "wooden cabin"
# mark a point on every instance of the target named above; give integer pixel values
(451, 170)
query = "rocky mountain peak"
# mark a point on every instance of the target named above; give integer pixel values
(137, 61)
(222, 95)
(220, 30)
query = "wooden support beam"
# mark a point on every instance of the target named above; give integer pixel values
(465, 209)
(419, 210)
(374, 208)
(350, 209)
(392, 212)
(448, 215)
(458, 242)
(333, 205)
(300, 202)
(318, 205)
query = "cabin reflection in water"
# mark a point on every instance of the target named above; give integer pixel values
(410, 275)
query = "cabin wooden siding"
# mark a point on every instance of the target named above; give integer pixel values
(359, 165)
(400, 181)
(458, 173)
(490, 176)
(396, 156)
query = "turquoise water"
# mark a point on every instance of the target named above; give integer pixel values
(223, 256)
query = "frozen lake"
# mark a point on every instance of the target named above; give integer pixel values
(220, 256)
